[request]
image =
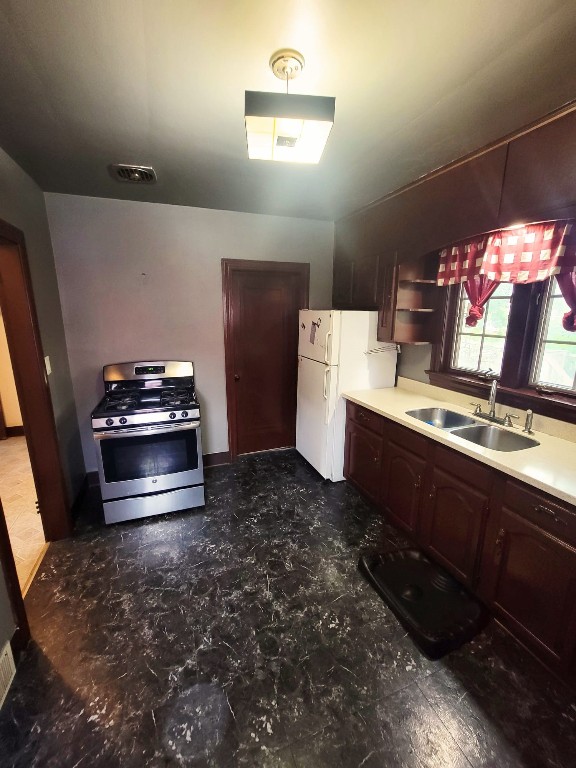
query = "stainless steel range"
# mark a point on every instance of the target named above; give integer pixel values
(148, 441)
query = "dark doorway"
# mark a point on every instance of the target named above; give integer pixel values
(261, 303)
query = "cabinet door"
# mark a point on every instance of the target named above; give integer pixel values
(342, 280)
(454, 517)
(389, 273)
(403, 477)
(540, 175)
(366, 282)
(363, 460)
(532, 588)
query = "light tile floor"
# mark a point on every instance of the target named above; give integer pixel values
(18, 494)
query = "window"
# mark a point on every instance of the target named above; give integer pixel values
(555, 358)
(520, 339)
(481, 348)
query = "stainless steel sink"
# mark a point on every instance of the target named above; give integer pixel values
(495, 438)
(441, 417)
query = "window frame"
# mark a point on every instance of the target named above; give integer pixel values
(519, 348)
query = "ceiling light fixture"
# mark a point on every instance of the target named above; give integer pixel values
(289, 128)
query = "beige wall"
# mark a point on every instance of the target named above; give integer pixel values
(8, 394)
(142, 281)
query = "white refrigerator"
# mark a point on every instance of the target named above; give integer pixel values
(337, 352)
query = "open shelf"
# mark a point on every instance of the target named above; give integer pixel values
(416, 301)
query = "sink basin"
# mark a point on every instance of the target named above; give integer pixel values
(495, 438)
(441, 417)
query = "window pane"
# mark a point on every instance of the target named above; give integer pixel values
(492, 353)
(558, 366)
(555, 357)
(467, 352)
(497, 316)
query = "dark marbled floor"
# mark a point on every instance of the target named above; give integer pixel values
(243, 635)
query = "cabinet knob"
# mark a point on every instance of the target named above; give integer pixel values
(236, 377)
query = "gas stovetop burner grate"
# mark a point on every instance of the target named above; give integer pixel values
(121, 403)
(174, 398)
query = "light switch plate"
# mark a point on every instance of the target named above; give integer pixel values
(47, 364)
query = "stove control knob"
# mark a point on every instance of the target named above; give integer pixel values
(109, 422)
(172, 415)
(123, 420)
(184, 414)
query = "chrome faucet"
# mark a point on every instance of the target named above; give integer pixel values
(492, 399)
(506, 421)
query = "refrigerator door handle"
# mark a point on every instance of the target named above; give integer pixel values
(328, 350)
(327, 373)
(325, 389)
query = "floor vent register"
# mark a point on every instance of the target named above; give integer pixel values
(7, 671)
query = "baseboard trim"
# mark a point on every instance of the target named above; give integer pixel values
(90, 479)
(216, 459)
(15, 432)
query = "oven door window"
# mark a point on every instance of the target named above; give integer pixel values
(140, 456)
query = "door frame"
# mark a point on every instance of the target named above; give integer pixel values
(230, 266)
(27, 357)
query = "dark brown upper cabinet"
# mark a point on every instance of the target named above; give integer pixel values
(540, 180)
(456, 204)
(357, 276)
(459, 203)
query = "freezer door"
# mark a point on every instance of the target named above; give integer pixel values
(315, 411)
(319, 335)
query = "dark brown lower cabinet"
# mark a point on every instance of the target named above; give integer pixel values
(529, 576)
(404, 469)
(454, 517)
(363, 450)
(363, 461)
(512, 545)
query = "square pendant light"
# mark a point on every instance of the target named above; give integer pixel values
(286, 127)
(289, 128)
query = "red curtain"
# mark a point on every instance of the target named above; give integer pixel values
(530, 253)
(567, 283)
(479, 289)
(525, 254)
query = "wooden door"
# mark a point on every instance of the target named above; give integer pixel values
(363, 460)
(403, 477)
(453, 521)
(261, 303)
(532, 589)
(27, 358)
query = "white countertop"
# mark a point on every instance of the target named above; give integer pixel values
(550, 466)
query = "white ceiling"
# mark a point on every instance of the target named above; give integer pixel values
(418, 83)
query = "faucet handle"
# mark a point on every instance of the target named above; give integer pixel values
(508, 419)
(478, 408)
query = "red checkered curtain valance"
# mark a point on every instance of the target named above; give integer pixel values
(524, 254)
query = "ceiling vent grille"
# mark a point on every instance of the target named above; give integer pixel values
(133, 174)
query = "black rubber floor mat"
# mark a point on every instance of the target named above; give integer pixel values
(437, 612)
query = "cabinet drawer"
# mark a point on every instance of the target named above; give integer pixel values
(467, 470)
(366, 418)
(409, 440)
(552, 516)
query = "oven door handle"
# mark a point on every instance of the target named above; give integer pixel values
(151, 430)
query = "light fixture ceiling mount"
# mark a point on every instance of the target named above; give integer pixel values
(285, 127)
(287, 63)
